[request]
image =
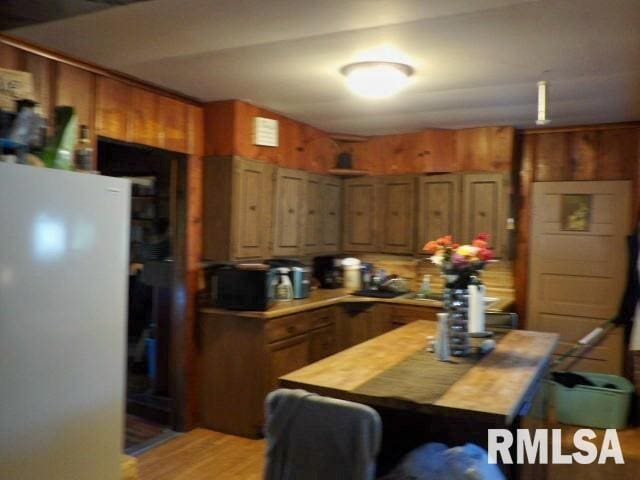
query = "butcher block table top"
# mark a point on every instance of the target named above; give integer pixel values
(396, 371)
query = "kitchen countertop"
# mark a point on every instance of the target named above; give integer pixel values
(327, 297)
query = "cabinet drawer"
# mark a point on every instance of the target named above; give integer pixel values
(284, 327)
(321, 317)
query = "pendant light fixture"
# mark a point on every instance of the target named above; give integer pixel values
(373, 79)
(543, 101)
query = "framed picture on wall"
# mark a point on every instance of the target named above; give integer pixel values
(576, 212)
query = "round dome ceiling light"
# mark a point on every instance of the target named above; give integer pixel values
(376, 79)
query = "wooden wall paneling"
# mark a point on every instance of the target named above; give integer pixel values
(219, 128)
(113, 100)
(583, 155)
(552, 157)
(142, 117)
(525, 166)
(42, 70)
(195, 130)
(11, 58)
(502, 148)
(218, 183)
(617, 154)
(484, 148)
(172, 119)
(194, 211)
(77, 88)
(434, 151)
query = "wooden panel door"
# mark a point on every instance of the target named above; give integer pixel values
(290, 211)
(313, 220)
(113, 101)
(173, 124)
(251, 209)
(438, 208)
(578, 263)
(143, 117)
(360, 208)
(287, 356)
(331, 205)
(484, 208)
(397, 227)
(77, 88)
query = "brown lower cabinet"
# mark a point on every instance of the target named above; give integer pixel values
(242, 357)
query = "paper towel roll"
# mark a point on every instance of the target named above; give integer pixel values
(476, 309)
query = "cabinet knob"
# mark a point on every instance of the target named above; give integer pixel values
(395, 214)
(312, 212)
(332, 214)
(437, 213)
(291, 210)
(253, 208)
(482, 214)
(358, 214)
(291, 329)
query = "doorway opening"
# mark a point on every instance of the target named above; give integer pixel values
(155, 265)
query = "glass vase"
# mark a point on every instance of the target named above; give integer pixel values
(456, 305)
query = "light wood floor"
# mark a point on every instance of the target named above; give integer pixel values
(206, 455)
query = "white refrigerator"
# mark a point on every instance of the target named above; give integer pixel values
(64, 243)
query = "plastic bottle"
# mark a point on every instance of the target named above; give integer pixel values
(284, 289)
(425, 287)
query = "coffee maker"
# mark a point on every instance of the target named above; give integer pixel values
(327, 269)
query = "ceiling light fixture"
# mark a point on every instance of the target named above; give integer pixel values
(543, 100)
(376, 79)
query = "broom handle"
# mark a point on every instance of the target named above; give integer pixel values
(587, 342)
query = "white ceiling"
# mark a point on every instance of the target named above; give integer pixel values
(477, 61)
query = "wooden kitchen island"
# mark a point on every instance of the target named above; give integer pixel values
(422, 399)
(242, 354)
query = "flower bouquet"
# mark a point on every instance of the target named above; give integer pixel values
(460, 262)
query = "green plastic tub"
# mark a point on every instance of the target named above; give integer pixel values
(597, 406)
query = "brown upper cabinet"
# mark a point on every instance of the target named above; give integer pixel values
(438, 208)
(113, 103)
(133, 114)
(360, 207)
(485, 208)
(313, 237)
(142, 124)
(331, 208)
(290, 212)
(397, 206)
(172, 124)
(237, 208)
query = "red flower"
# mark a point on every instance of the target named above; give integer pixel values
(431, 247)
(484, 236)
(485, 254)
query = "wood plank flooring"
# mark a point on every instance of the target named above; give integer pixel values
(204, 455)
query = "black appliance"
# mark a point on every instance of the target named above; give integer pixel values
(327, 269)
(246, 286)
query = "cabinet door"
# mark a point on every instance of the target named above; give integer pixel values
(322, 342)
(290, 211)
(286, 356)
(438, 208)
(484, 206)
(251, 209)
(173, 124)
(357, 324)
(77, 88)
(113, 101)
(397, 225)
(360, 223)
(143, 117)
(313, 220)
(331, 205)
